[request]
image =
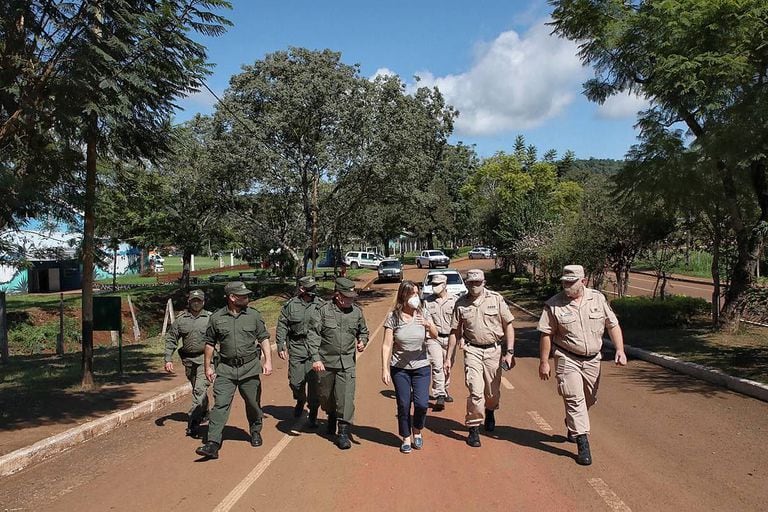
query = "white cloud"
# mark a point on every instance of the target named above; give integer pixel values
(622, 106)
(202, 98)
(515, 82)
(382, 72)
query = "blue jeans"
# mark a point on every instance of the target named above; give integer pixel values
(411, 387)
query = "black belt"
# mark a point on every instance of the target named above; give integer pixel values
(239, 361)
(185, 354)
(496, 344)
(575, 355)
(443, 335)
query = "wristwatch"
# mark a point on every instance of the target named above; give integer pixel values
(511, 351)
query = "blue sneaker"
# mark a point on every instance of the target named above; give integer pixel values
(405, 448)
(418, 442)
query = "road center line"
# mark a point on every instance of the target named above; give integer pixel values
(506, 383)
(234, 496)
(610, 498)
(541, 422)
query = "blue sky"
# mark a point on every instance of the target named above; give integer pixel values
(493, 60)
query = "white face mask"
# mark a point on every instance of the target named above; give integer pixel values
(414, 302)
(476, 289)
(438, 288)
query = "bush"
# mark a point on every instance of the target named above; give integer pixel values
(29, 339)
(646, 312)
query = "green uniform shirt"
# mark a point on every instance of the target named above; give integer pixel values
(238, 335)
(293, 324)
(191, 329)
(333, 335)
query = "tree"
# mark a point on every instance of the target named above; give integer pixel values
(102, 76)
(703, 65)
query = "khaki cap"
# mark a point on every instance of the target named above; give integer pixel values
(346, 287)
(236, 288)
(307, 282)
(196, 294)
(439, 279)
(572, 273)
(475, 275)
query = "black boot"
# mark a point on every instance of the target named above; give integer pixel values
(209, 450)
(332, 424)
(439, 404)
(585, 457)
(343, 441)
(473, 439)
(298, 409)
(312, 421)
(256, 439)
(490, 420)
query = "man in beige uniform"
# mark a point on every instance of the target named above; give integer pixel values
(483, 319)
(440, 306)
(572, 326)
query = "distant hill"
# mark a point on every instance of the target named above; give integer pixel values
(598, 165)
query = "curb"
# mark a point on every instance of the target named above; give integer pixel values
(24, 457)
(705, 373)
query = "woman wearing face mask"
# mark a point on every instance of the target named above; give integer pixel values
(405, 362)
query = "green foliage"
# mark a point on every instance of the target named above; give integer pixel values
(26, 338)
(674, 311)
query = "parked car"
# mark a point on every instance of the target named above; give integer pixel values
(455, 285)
(480, 253)
(432, 259)
(358, 259)
(391, 269)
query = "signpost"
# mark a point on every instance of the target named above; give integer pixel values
(106, 317)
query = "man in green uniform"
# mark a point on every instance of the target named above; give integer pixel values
(242, 337)
(337, 330)
(291, 337)
(190, 327)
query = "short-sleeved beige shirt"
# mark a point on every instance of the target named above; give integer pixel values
(578, 328)
(482, 319)
(441, 310)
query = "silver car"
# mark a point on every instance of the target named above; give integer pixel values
(432, 259)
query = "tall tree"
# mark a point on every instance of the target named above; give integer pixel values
(702, 64)
(101, 76)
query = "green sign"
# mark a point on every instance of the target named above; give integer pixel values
(106, 314)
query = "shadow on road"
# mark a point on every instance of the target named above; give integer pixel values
(181, 417)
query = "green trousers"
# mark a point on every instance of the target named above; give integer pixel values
(227, 380)
(337, 392)
(304, 382)
(196, 375)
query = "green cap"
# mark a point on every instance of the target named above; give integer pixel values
(307, 282)
(236, 288)
(196, 294)
(346, 287)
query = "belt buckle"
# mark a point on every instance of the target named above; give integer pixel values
(237, 361)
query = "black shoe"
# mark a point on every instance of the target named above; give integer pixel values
(209, 450)
(298, 409)
(585, 457)
(490, 420)
(256, 439)
(343, 441)
(439, 404)
(473, 439)
(448, 399)
(193, 429)
(331, 424)
(312, 421)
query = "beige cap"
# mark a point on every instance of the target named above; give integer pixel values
(439, 279)
(475, 275)
(572, 273)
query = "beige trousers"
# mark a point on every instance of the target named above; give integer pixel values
(482, 374)
(437, 353)
(577, 382)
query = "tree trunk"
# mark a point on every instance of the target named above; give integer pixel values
(741, 282)
(88, 255)
(186, 266)
(716, 277)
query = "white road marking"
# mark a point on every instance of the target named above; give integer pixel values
(506, 383)
(234, 496)
(610, 498)
(541, 422)
(248, 481)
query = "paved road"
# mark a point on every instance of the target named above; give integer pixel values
(642, 284)
(661, 441)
